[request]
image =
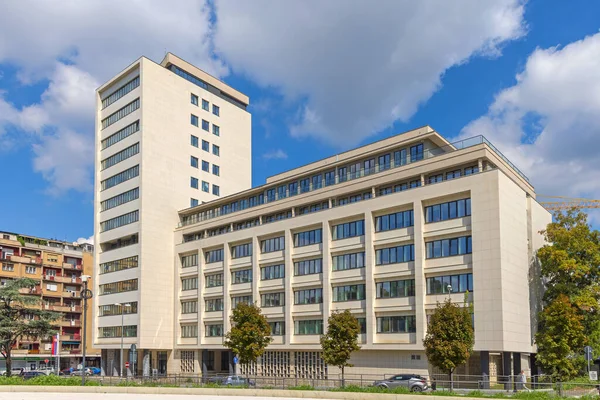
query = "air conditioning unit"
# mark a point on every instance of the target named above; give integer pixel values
(48, 346)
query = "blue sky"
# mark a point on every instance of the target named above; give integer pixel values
(322, 77)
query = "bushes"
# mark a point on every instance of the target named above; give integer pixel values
(47, 380)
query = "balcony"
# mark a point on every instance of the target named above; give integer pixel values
(20, 259)
(72, 266)
(75, 337)
(35, 290)
(70, 322)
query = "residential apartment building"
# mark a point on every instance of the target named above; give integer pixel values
(168, 136)
(386, 231)
(57, 266)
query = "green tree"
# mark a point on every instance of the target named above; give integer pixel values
(250, 333)
(561, 331)
(449, 340)
(341, 340)
(14, 307)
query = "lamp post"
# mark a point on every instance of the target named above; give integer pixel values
(449, 287)
(86, 294)
(122, 362)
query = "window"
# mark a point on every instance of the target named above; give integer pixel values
(212, 305)
(212, 256)
(453, 174)
(305, 185)
(436, 178)
(205, 125)
(120, 199)
(471, 170)
(189, 307)
(399, 324)
(402, 219)
(214, 280)
(273, 244)
(8, 267)
(416, 153)
(393, 289)
(213, 330)
(216, 110)
(448, 247)
(205, 145)
(393, 255)
(205, 187)
(363, 325)
(272, 299)
(216, 130)
(282, 192)
(205, 105)
(241, 276)
(369, 166)
(414, 184)
(459, 283)
(119, 265)
(216, 150)
(272, 272)
(120, 135)
(348, 230)
(241, 250)
(317, 182)
(400, 157)
(355, 171)
(216, 190)
(119, 221)
(115, 331)
(308, 267)
(342, 174)
(240, 299)
(348, 293)
(194, 99)
(120, 114)
(194, 120)
(120, 92)
(216, 170)
(120, 156)
(384, 162)
(277, 328)
(194, 161)
(270, 195)
(330, 178)
(189, 331)
(450, 210)
(348, 261)
(308, 237)
(293, 188)
(308, 296)
(113, 309)
(194, 182)
(30, 270)
(309, 327)
(193, 202)
(313, 208)
(194, 140)
(118, 287)
(189, 284)
(205, 166)
(189, 261)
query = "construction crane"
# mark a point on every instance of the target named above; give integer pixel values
(567, 202)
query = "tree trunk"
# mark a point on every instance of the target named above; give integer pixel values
(8, 361)
(343, 383)
(451, 382)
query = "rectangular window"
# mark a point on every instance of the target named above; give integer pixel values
(450, 210)
(8, 267)
(399, 324)
(120, 156)
(348, 293)
(114, 309)
(307, 238)
(194, 99)
(241, 250)
(308, 267)
(194, 182)
(453, 174)
(120, 114)
(363, 325)
(193, 202)
(216, 190)
(240, 299)
(205, 166)
(205, 105)
(400, 157)
(293, 188)
(384, 162)
(330, 178)
(205, 125)
(216, 170)
(416, 153)
(120, 199)
(436, 178)
(272, 299)
(120, 135)
(394, 255)
(317, 182)
(216, 130)
(402, 219)
(270, 195)
(348, 261)
(273, 244)
(216, 150)
(189, 307)
(348, 230)
(205, 187)
(194, 140)
(277, 328)
(394, 289)
(119, 265)
(369, 166)
(205, 145)
(214, 280)
(305, 185)
(471, 170)
(213, 256)
(241, 276)
(115, 331)
(272, 272)
(212, 305)
(194, 119)
(120, 92)
(459, 283)
(308, 296)
(121, 177)
(355, 171)
(448, 247)
(213, 330)
(189, 331)
(189, 284)
(118, 287)
(216, 110)
(189, 261)
(30, 270)
(309, 327)
(282, 192)
(119, 221)
(194, 161)
(342, 174)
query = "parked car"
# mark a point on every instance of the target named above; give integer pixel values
(13, 371)
(232, 380)
(78, 372)
(414, 383)
(32, 374)
(95, 370)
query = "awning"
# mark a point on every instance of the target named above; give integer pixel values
(70, 342)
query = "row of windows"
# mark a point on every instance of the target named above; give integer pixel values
(348, 293)
(272, 272)
(241, 276)
(449, 210)
(121, 177)
(308, 267)
(120, 92)
(308, 296)
(189, 307)
(308, 237)
(189, 331)
(119, 221)
(205, 105)
(452, 175)
(194, 183)
(213, 256)
(120, 156)
(214, 280)
(272, 299)
(205, 125)
(393, 289)
(119, 265)
(189, 261)
(117, 309)
(450, 283)
(449, 247)
(348, 230)
(348, 261)
(122, 113)
(211, 305)
(121, 134)
(400, 187)
(120, 199)
(118, 287)
(115, 331)
(273, 244)
(402, 219)
(397, 324)
(189, 283)
(241, 250)
(216, 150)
(355, 198)
(393, 255)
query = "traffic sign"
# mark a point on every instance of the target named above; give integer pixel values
(235, 360)
(46, 361)
(593, 375)
(127, 364)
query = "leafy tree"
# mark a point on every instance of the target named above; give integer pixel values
(14, 307)
(250, 333)
(341, 340)
(561, 331)
(449, 340)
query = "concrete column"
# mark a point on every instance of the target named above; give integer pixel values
(422, 179)
(226, 287)
(480, 164)
(325, 246)
(373, 192)
(289, 293)
(255, 270)
(369, 281)
(516, 369)
(484, 359)
(420, 284)
(204, 356)
(506, 368)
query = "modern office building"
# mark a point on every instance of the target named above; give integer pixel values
(58, 267)
(386, 230)
(168, 136)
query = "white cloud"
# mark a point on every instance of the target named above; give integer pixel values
(275, 155)
(89, 240)
(358, 68)
(548, 123)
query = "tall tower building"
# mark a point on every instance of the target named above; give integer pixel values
(168, 136)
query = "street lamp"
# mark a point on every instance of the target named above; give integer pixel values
(122, 333)
(449, 287)
(86, 294)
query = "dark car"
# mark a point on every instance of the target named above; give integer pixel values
(32, 374)
(232, 380)
(413, 382)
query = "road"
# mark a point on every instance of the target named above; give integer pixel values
(122, 396)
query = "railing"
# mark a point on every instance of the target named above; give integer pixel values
(338, 178)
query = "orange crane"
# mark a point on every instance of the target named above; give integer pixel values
(560, 203)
